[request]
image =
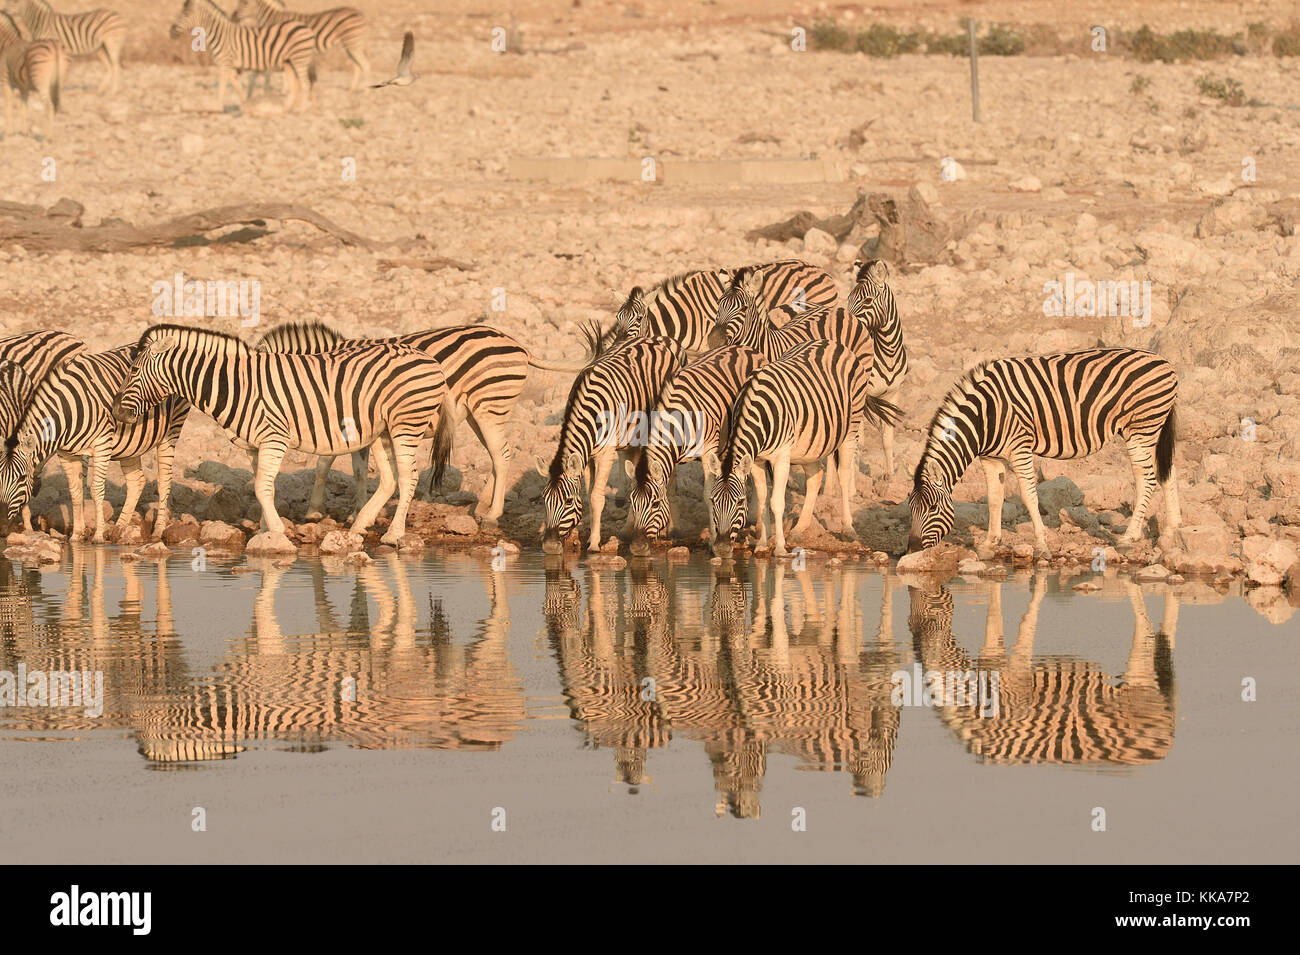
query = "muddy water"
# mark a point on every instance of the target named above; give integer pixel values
(440, 709)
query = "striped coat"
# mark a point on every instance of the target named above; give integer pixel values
(96, 32)
(27, 67)
(337, 28)
(1005, 412)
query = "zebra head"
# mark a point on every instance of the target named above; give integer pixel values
(647, 503)
(726, 503)
(631, 318)
(869, 285)
(563, 499)
(143, 386)
(736, 305)
(187, 18)
(930, 504)
(17, 473)
(245, 12)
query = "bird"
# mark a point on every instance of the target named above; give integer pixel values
(404, 75)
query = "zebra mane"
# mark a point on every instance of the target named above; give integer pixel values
(192, 333)
(961, 387)
(310, 328)
(595, 348)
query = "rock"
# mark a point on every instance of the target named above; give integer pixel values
(923, 192)
(268, 543)
(358, 558)
(1027, 184)
(1087, 586)
(1270, 566)
(606, 561)
(819, 243)
(461, 524)
(154, 551)
(971, 567)
(411, 544)
(679, 553)
(217, 535)
(509, 547)
(184, 529)
(1057, 494)
(1231, 215)
(942, 557)
(227, 505)
(610, 546)
(950, 170)
(340, 542)
(1216, 187)
(1151, 574)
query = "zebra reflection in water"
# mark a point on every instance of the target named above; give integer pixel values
(1055, 709)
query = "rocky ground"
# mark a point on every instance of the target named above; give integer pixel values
(1086, 164)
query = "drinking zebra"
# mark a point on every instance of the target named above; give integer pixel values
(290, 45)
(486, 372)
(685, 307)
(1005, 412)
(100, 32)
(30, 67)
(683, 426)
(328, 403)
(872, 302)
(620, 385)
(70, 413)
(24, 360)
(343, 27)
(800, 409)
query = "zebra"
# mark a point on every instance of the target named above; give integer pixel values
(30, 67)
(1053, 709)
(338, 27)
(69, 413)
(872, 302)
(327, 403)
(24, 360)
(684, 307)
(232, 47)
(683, 426)
(1006, 411)
(486, 372)
(622, 381)
(101, 32)
(800, 409)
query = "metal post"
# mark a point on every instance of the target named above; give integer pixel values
(974, 74)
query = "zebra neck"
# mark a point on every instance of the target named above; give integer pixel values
(754, 333)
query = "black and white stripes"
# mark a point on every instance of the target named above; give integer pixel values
(871, 301)
(339, 27)
(27, 67)
(100, 32)
(1005, 412)
(290, 46)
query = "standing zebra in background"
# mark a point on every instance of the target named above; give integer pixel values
(24, 360)
(70, 412)
(328, 403)
(685, 307)
(1059, 406)
(30, 67)
(872, 302)
(684, 425)
(339, 27)
(618, 386)
(232, 47)
(800, 409)
(486, 372)
(101, 32)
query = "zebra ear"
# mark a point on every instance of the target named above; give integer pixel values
(712, 463)
(629, 468)
(160, 345)
(13, 376)
(877, 269)
(573, 462)
(543, 466)
(932, 473)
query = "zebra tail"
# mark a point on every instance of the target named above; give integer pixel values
(57, 80)
(596, 346)
(442, 438)
(555, 366)
(881, 411)
(1165, 448)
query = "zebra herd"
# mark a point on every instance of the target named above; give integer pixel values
(749, 370)
(259, 36)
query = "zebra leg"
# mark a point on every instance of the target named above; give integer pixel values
(98, 477)
(72, 470)
(387, 485)
(107, 82)
(601, 465)
(847, 468)
(492, 500)
(1023, 464)
(887, 442)
(166, 460)
(1173, 514)
(780, 477)
(994, 474)
(403, 449)
(1022, 655)
(1140, 667)
(1144, 480)
(360, 479)
(316, 503)
(758, 474)
(360, 65)
(269, 458)
(133, 475)
(815, 472)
